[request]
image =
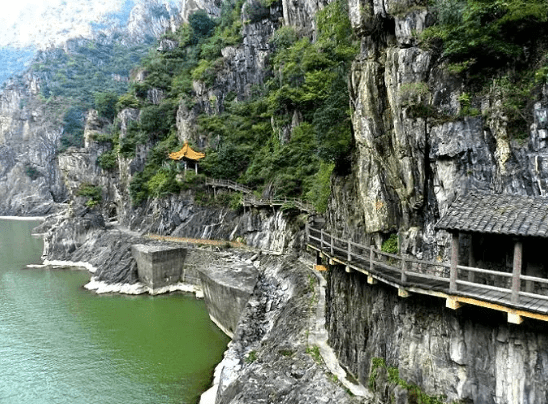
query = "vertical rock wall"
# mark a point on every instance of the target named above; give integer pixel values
(415, 151)
(472, 354)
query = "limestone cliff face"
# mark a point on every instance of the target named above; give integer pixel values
(471, 355)
(30, 180)
(409, 166)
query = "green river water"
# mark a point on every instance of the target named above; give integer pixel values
(60, 343)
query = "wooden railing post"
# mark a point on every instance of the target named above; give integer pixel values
(331, 245)
(403, 271)
(454, 262)
(371, 259)
(516, 273)
(349, 256)
(321, 239)
(307, 233)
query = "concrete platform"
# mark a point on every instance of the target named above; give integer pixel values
(159, 266)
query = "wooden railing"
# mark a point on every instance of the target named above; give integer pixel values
(404, 272)
(250, 200)
(229, 184)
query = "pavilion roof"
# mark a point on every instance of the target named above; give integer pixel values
(497, 214)
(186, 152)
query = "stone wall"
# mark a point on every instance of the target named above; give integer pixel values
(227, 289)
(472, 354)
(158, 265)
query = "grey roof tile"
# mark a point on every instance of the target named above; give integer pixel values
(498, 214)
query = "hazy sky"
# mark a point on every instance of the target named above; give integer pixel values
(42, 22)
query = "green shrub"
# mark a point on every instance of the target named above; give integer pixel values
(162, 183)
(202, 26)
(320, 189)
(108, 160)
(127, 101)
(257, 10)
(391, 244)
(73, 129)
(93, 192)
(31, 171)
(235, 201)
(105, 104)
(491, 32)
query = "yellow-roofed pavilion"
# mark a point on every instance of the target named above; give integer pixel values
(185, 154)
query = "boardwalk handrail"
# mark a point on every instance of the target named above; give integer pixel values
(251, 200)
(397, 269)
(228, 184)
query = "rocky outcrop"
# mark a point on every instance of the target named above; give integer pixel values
(469, 355)
(269, 359)
(30, 180)
(416, 149)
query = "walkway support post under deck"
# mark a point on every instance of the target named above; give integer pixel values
(454, 262)
(516, 273)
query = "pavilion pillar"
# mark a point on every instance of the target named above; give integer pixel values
(196, 167)
(454, 262)
(516, 272)
(471, 259)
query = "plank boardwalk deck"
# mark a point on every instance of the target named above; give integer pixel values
(387, 268)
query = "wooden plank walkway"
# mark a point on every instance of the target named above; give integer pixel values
(410, 275)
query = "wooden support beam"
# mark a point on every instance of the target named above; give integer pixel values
(403, 293)
(514, 318)
(403, 271)
(331, 262)
(371, 280)
(516, 272)
(348, 269)
(454, 262)
(453, 303)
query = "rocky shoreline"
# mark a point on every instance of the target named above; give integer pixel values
(274, 356)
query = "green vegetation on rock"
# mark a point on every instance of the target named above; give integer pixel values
(92, 192)
(392, 374)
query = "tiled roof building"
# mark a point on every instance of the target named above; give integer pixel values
(514, 215)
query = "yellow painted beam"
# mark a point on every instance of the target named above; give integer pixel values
(403, 293)
(371, 280)
(514, 318)
(453, 303)
(320, 268)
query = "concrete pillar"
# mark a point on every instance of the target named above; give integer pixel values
(516, 272)
(454, 262)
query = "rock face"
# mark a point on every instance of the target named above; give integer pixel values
(267, 362)
(414, 152)
(469, 355)
(30, 180)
